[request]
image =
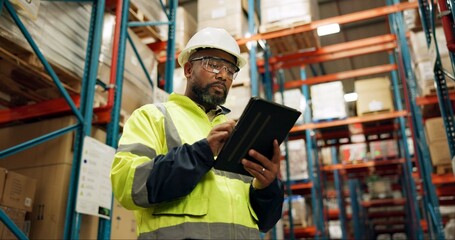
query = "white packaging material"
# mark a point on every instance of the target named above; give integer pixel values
(185, 28)
(299, 213)
(237, 28)
(292, 98)
(327, 101)
(243, 77)
(303, 11)
(237, 100)
(298, 164)
(179, 83)
(420, 51)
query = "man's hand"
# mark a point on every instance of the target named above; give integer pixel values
(266, 173)
(218, 136)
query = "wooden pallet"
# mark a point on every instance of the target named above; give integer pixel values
(24, 80)
(136, 15)
(294, 43)
(431, 90)
(376, 112)
(444, 168)
(289, 23)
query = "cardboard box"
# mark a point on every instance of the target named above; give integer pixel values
(18, 191)
(327, 101)
(17, 216)
(49, 207)
(299, 215)
(298, 164)
(185, 28)
(288, 12)
(383, 149)
(123, 224)
(435, 130)
(374, 95)
(292, 98)
(220, 14)
(353, 152)
(48, 217)
(57, 150)
(237, 100)
(439, 151)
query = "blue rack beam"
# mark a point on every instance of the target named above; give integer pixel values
(313, 168)
(424, 164)
(113, 131)
(340, 195)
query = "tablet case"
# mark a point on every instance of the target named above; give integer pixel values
(261, 122)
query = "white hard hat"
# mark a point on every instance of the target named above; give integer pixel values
(210, 37)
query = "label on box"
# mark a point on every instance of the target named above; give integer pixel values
(375, 105)
(28, 202)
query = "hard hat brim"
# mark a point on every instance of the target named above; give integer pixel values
(186, 53)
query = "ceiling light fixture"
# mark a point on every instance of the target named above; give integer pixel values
(328, 29)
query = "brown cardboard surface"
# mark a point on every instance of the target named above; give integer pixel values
(57, 150)
(48, 217)
(372, 84)
(373, 95)
(439, 151)
(19, 191)
(51, 167)
(123, 224)
(15, 215)
(434, 128)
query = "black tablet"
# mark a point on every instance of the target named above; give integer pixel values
(261, 122)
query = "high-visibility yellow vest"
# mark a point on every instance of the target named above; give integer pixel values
(218, 206)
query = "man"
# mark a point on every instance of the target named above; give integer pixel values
(163, 168)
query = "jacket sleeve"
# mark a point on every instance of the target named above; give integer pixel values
(145, 172)
(267, 204)
(180, 170)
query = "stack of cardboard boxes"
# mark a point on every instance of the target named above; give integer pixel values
(50, 165)
(224, 14)
(374, 95)
(17, 193)
(438, 143)
(423, 59)
(327, 101)
(287, 13)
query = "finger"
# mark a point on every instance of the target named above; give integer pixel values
(276, 152)
(255, 170)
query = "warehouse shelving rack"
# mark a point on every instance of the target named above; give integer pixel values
(298, 59)
(83, 113)
(84, 101)
(117, 70)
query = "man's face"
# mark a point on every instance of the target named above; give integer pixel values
(205, 87)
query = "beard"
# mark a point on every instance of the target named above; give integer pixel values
(204, 97)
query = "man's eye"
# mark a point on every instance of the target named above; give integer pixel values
(214, 65)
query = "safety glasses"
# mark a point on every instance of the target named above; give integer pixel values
(215, 65)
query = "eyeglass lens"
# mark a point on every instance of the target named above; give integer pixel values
(216, 65)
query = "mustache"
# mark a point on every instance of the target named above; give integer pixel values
(219, 84)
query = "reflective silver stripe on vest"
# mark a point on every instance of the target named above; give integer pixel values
(203, 231)
(139, 192)
(246, 179)
(172, 135)
(137, 149)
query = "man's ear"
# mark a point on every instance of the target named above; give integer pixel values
(188, 69)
